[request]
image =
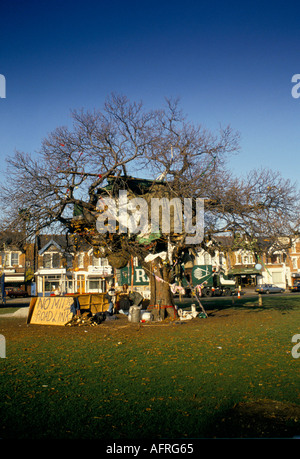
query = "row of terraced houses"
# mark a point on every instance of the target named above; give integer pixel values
(53, 263)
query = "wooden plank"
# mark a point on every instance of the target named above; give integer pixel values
(31, 307)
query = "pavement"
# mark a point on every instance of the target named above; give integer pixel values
(21, 312)
(16, 302)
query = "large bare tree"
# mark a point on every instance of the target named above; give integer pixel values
(105, 151)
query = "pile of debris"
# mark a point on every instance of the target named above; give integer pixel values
(135, 315)
(188, 315)
(87, 318)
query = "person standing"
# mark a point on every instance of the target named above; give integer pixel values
(111, 296)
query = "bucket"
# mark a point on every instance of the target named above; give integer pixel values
(134, 314)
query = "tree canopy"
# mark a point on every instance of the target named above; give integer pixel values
(148, 153)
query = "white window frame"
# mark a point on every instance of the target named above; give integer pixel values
(99, 261)
(7, 262)
(51, 258)
(80, 260)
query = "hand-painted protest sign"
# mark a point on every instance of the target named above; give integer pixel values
(51, 310)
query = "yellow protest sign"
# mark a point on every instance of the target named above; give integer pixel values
(51, 310)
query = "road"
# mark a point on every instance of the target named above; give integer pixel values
(16, 303)
(244, 294)
(24, 302)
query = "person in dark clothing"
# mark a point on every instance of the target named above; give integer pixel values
(75, 307)
(111, 297)
(124, 303)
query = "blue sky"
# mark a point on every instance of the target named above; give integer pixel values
(229, 62)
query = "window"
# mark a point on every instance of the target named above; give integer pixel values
(96, 261)
(55, 260)
(276, 258)
(51, 282)
(47, 260)
(96, 285)
(207, 259)
(295, 263)
(69, 260)
(80, 260)
(51, 260)
(100, 261)
(221, 259)
(9, 259)
(14, 260)
(247, 259)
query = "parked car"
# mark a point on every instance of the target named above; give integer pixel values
(13, 292)
(295, 287)
(269, 288)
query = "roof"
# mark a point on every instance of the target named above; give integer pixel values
(63, 242)
(11, 240)
(49, 243)
(44, 241)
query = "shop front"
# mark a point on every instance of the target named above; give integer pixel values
(14, 279)
(96, 280)
(295, 278)
(50, 280)
(246, 277)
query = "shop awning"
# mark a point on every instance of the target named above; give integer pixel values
(240, 271)
(14, 277)
(99, 271)
(50, 271)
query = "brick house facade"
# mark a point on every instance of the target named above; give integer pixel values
(52, 262)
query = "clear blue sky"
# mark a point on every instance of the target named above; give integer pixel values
(230, 62)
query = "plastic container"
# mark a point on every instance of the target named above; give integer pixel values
(134, 314)
(146, 316)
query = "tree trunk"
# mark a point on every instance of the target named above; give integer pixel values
(161, 300)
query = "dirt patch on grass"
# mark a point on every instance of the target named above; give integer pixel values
(260, 419)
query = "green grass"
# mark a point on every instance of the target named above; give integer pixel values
(157, 381)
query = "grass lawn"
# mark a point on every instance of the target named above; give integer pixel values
(230, 375)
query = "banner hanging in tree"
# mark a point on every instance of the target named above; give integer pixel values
(140, 276)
